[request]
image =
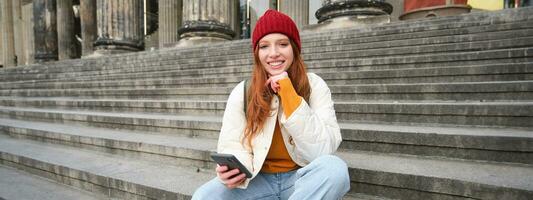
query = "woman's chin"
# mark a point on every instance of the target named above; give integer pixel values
(276, 72)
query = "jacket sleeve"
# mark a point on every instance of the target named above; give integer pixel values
(313, 125)
(232, 131)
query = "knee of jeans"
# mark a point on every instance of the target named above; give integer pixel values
(336, 168)
(207, 190)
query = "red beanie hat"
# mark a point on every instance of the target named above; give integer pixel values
(275, 22)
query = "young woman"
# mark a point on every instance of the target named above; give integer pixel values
(289, 130)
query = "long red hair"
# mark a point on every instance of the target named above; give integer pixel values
(260, 96)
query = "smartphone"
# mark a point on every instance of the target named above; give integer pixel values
(231, 161)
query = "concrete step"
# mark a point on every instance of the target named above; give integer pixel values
(379, 49)
(245, 63)
(500, 113)
(474, 143)
(372, 50)
(466, 91)
(137, 145)
(376, 63)
(167, 93)
(128, 177)
(114, 175)
(360, 196)
(476, 73)
(349, 64)
(493, 72)
(395, 176)
(482, 34)
(492, 144)
(186, 107)
(467, 20)
(429, 37)
(325, 52)
(460, 91)
(418, 176)
(180, 125)
(18, 184)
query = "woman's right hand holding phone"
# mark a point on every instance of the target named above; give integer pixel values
(231, 178)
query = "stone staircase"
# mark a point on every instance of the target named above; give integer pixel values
(429, 109)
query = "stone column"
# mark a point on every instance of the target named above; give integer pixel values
(120, 26)
(27, 30)
(1, 44)
(257, 9)
(8, 46)
(235, 21)
(65, 30)
(169, 21)
(88, 26)
(45, 32)
(398, 9)
(298, 10)
(352, 13)
(205, 21)
(18, 35)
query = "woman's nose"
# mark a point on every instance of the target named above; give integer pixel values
(274, 52)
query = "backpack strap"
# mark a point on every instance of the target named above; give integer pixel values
(245, 96)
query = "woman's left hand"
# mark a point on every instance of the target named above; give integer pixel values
(273, 81)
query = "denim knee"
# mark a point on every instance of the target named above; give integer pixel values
(207, 190)
(334, 168)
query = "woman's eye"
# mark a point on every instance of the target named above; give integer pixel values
(284, 44)
(263, 46)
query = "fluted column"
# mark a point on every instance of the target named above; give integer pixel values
(235, 21)
(65, 30)
(205, 21)
(18, 35)
(1, 44)
(45, 32)
(120, 26)
(8, 46)
(298, 10)
(170, 14)
(88, 26)
(27, 31)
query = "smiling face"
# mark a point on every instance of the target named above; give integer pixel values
(275, 53)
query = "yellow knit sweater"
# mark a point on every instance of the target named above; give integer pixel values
(278, 159)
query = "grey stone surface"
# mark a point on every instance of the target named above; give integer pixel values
(191, 126)
(140, 178)
(343, 62)
(517, 114)
(485, 91)
(443, 112)
(188, 107)
(154, 146)
(463, 142)
(460, 178)
(17, 184)
(228, 77)
(360, 196)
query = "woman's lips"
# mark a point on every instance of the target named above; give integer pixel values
(276, 64)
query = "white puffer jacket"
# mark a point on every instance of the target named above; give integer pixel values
(310, 131)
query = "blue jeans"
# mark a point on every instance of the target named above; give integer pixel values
(324, 178)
